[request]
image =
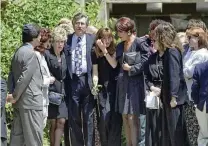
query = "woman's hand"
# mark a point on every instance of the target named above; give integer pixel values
(126, 67)
(156, 90)
(102, 46)
(173, 102)
(52, 80)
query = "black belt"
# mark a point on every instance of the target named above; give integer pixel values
(81, 75)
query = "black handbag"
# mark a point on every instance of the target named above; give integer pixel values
(54, 97)
(131, 58)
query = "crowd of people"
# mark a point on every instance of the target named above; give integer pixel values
(89, 88)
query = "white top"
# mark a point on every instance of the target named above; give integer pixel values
(46, 77)
(191, 59)
(84, 52)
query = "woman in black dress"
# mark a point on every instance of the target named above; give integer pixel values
(104, 73)
(55, 59)
(130, 85)
(153, 76)
(174, 90)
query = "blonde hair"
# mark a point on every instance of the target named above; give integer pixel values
(65, 21)
(91, 30)
(68, 27)
(59, 34)
(166, 36)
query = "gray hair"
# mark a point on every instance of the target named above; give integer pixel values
(80, 16)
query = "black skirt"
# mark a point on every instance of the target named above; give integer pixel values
(57, 111)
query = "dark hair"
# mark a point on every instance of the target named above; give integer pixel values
(30, 32)
(45, 35)
(102, 32)
(196, 23)
(80, 16)
(155, 23)
(125, 24)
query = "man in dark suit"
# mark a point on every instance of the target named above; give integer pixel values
(79, 80)
(200, 96)
(3, 116)
(25, 86)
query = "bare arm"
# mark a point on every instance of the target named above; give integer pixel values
(95, 74)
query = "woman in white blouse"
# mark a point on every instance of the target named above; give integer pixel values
(47, 78)
(196, 54)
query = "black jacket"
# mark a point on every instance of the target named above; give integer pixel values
(174, 84)
(57, 71)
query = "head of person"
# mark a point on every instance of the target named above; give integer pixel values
(64, 21)
(197, 38)
(182, 37)
(68, 27)
(106, 36)
(196, 23)
(166, 37)
(58, 39)
(80, 23)
(125, 28)
(44, 41)
(31, 34)
(152, 26)
(91, 30)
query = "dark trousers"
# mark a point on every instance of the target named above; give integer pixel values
(173, 126)
(3, 141)
(110, 128)
(81, 113)
(153, 127)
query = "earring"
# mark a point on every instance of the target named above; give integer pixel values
(129, 33)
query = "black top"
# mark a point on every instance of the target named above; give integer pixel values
(105, 72)
(57, 70)
(154, 71)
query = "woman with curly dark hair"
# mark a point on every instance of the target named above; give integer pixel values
(174, 90)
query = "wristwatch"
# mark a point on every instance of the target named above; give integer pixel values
(105, 54)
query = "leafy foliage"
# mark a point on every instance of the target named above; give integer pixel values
(47, 13)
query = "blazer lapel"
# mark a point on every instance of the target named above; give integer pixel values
(68, 54)
(88, 52)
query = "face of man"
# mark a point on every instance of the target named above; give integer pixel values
(36, 41)
(80, 26)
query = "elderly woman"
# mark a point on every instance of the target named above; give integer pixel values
(57, 111)
(173, 90)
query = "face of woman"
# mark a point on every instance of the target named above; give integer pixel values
(193, 42)
(107, 41)
(123, 35)
(58, 45)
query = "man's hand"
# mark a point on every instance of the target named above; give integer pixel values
(10, 98)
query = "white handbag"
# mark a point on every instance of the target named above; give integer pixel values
(152, 101)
